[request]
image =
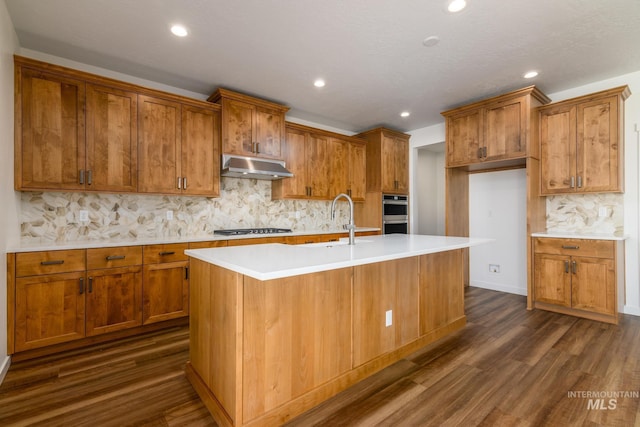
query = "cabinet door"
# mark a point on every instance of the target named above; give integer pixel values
(357, 171)
(200, 153)
(49, 310)
(464, 138)
(441, 290)
(52, 140)
(558, 150)
(552, 279)
(317, 161)
(237, 127)
(598, 146)
(165, 291)
(114, 299)
(293, 153)
(593, 285)
(269, 132)
(505, 131)
(402, 165)
(379, 288)
(388, 172)
(338, 167)
(112, 139)
(159, 145)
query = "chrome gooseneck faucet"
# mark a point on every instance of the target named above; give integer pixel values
(351, 226)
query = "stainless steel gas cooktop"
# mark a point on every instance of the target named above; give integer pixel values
(240, 231)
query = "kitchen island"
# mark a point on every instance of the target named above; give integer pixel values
(277, 329)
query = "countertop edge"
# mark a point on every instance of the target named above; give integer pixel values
(91, 244)
(345, 263)
(568, 235)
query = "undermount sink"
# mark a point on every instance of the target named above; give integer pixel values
(332, 244)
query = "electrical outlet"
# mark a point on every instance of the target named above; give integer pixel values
(84, 216)
(388, 321)
(494, 268)
(297, 214)
(169, 215)
(603, 211)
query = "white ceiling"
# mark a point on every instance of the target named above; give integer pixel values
(370, 52)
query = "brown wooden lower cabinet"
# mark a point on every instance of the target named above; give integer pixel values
(580, 277)
(165, 287)
(263, 352)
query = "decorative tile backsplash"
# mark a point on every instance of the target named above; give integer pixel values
(580, 213)
(243, 203)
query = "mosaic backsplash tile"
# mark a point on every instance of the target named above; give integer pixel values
(243, 203)
(580, 213)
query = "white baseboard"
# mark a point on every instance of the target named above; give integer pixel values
(499, 287)
(4, 367)
(634, 311)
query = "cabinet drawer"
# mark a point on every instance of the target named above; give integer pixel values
(577, 247)
(156, 254)
(209, 244)
(48, 262)
(122, 256)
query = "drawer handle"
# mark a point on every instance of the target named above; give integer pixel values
(90, 284)
(81, 285)
(55, 262)
(167, 253)
(574, 267)
(570, 247)
(566, 266)
(114, 257)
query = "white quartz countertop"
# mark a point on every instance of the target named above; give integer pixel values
(274, 261)
(109, 243)
(568, 235)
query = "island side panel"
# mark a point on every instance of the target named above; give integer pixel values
(215, 336)
(379, 288)
(297, 336)
(441, 289)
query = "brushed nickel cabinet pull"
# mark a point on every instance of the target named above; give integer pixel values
(186, 273)
(579, 182)
(573, 182)
(179, 183)
(90, 284)
(566, 266)
(167, 253)
(484, 151)
(570, 247)
(81, 285)
(480, 152)
(574, 267)
(114, 257)
(81, 176)
(184, 182)
(89, 177)
(257, 148)
(56, 262)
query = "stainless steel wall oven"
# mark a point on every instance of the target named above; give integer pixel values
(395, 214)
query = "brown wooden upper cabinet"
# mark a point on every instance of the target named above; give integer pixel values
(250, 126)
(387, 160)
(492, 131)
(581, 144)
(72, 135)
(324, 164)
(76, 131)
(178, 148)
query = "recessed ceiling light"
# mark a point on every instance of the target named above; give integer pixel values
(319, 83)
(456, 6)
(431, 41)
(405, 114)
(179, 30)
(530, 74)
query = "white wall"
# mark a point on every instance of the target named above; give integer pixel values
(429, 202)
(9, 228)
(498, 210)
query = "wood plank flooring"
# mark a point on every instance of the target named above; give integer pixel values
(507, 367)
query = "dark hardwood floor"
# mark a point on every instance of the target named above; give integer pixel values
(508, 367)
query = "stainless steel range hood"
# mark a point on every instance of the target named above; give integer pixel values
(251, 167)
